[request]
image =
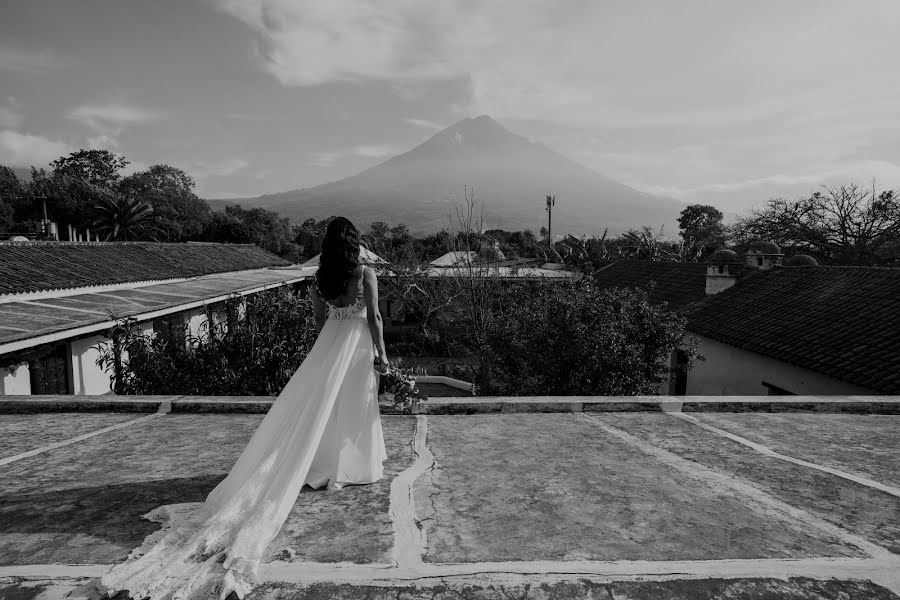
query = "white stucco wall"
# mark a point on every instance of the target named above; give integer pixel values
(87, 378)
(730, 371)
(15, 382)
(197, 322)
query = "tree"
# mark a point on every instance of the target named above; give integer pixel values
(525, 244)
(645, 244)
(178, 213)
(121, 218)
(420, 295)
(476, 286)
(12, 195)
(434, 245)
(573, 339)
(97, 167)
(265, 228)
(308, 236)
(6, 215)
(702, 231)
(588, 254)
(844, 225)
(69, 199)
(400, 236)
(379, 231)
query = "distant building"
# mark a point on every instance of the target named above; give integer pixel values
(366, 257)
(800, 330)
(57, 298)
(454, 264)
(771, 328)
(455, 258)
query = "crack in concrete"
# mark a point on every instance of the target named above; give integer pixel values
(410, 537)
(75, 440)
(765, 450)
(764, 500)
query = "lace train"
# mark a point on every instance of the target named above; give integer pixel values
(326, 417)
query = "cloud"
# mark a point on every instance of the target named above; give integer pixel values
(112, 117)
(102, 142)
(373, 151)
(309, 42)
(590, 63)
(20, 149)
(884, 173)
(682, 96)
(109, 121)
(28, 61)
(10, 118)
(329, 159)
(424, 123)
(324, 159)
(201, 169)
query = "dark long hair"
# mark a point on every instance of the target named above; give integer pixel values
(339, 258)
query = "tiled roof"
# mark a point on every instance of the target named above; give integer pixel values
(843, 322)
(42, 266)
(679, 284)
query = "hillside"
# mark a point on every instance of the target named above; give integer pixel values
(509, 173)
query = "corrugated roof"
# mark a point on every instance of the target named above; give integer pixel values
(454, 258)
(678, 284)
(43, 266)
(28, 322)
(843, 322)
(366, 257)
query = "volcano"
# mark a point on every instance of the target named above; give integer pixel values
(509, 174)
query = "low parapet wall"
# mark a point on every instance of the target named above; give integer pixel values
(469, 404)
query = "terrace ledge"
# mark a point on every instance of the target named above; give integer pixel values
(468, 404)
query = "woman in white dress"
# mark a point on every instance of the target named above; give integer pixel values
(323, 429)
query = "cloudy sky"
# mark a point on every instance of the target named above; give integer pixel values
(727, 102)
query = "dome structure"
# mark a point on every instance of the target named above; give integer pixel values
(801, 260)
(763, 255)
(763, 247)
(724, 257)
(723, 270)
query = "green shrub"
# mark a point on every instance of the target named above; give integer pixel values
(572, 339)
(248, 355)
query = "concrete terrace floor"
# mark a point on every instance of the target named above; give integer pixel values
(613, 505)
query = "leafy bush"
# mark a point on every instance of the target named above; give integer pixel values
(572, 339)
(254, 351)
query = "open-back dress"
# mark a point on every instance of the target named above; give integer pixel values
(323, 428)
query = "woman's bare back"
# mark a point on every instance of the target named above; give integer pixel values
(353, 292)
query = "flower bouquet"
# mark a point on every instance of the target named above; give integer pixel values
(400, 388)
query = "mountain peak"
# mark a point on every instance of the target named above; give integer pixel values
(510, 173)
(475, 133)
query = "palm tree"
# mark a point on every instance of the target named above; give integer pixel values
(121, 218)
(647, 245)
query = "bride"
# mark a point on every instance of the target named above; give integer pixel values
(323, 429)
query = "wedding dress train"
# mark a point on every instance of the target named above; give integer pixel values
(324, 427)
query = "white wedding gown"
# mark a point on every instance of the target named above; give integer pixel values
(324, 427)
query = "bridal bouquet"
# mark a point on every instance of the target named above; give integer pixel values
(401, 388)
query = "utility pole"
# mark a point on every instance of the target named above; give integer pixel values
(551, 202)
